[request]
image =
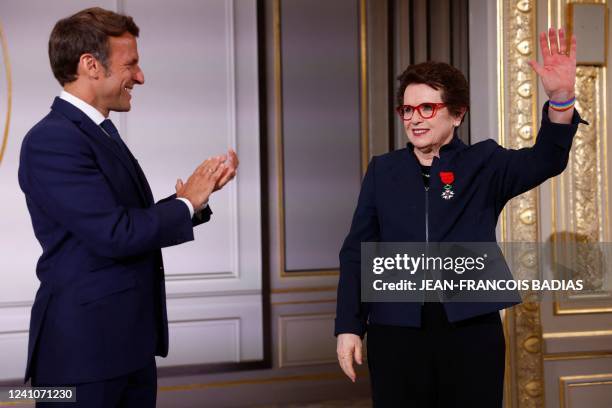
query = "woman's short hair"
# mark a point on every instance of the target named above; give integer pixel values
(85, 32)
(439, 76)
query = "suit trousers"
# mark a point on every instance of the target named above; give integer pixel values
(440, 364)
(137, 389)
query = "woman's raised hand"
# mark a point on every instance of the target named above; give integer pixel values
(558, 69)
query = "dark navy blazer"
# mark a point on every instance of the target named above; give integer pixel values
(100, 311)
(392, 207)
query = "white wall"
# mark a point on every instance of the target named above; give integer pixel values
(483, 70)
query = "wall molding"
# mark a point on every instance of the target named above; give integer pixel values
(231, 323)
(284, 357)
(566, 383)
(278, 130)
(202, 276)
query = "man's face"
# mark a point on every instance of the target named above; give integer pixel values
(115, 85)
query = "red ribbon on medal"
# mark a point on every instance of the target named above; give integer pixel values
(447, 177)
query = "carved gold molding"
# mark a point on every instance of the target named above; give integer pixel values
(517, 113)
(583, 191)
(9, 92)
(585, 174)
(584, 180)
(583, 183)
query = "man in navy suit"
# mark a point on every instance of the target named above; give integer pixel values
(99, 317)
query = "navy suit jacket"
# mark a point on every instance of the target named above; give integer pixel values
(100, 310)
(393, 203)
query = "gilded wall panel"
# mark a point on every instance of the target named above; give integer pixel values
(517, 20)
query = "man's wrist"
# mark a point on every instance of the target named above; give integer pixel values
(188, 204)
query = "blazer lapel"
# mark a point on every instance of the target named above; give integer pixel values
(143, 180)
(96, 133)
(406, 173)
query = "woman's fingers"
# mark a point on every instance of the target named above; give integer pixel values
(358, 355)
(536, 67)
(558, 44)
(552, 38)
(346, 362)
(544, 47)
(562, 40)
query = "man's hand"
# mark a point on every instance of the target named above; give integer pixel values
(349, 347)
(231, 167)
(202, 182)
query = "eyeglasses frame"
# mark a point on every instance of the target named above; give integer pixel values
(436, 107)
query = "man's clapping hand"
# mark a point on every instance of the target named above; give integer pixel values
(211, 175)
(230, 170)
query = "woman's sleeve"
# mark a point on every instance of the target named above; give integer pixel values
(517, 171)
(351, 313)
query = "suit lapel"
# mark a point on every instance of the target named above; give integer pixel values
(143, 180)
(96, 133)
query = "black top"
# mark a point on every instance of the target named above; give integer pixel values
(425, 172)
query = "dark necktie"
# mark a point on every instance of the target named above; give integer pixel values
(112, 131)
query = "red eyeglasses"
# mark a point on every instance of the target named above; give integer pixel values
(426, 110)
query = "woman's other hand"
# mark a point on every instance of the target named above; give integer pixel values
(349, 347)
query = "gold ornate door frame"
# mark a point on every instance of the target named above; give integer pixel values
(579, 196)
(517, 103)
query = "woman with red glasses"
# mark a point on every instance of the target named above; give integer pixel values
(433, 354)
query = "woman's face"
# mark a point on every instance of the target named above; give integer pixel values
(428, 134)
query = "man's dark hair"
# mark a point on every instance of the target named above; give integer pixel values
(85, 32)
(439, 76)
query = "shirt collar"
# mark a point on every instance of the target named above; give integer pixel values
(83, 106)
(454, 144)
